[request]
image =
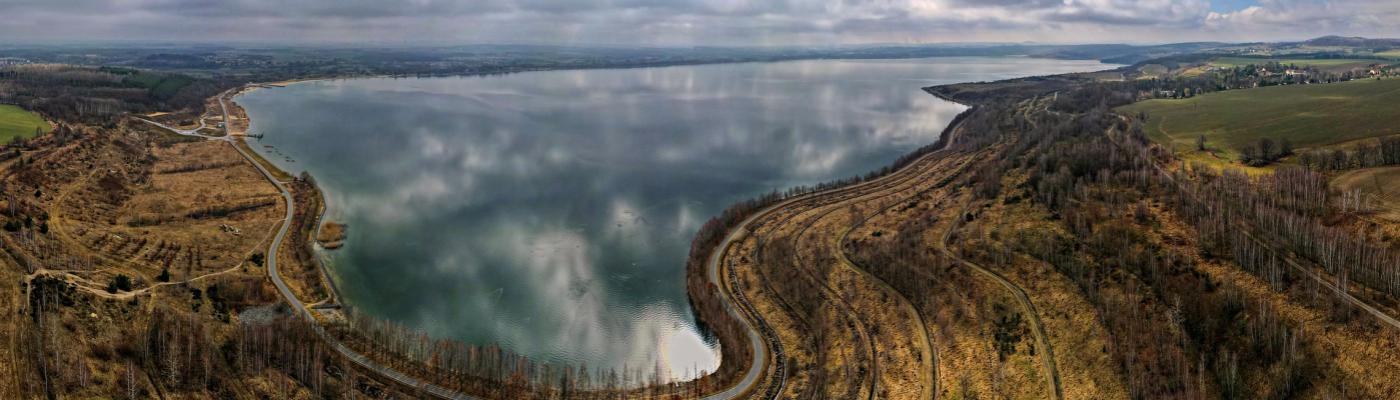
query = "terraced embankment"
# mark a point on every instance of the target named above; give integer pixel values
(846, 333)
(852, 328)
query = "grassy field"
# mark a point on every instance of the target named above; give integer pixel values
(16, 122)
(1383, 182)
(1382, 185)
(1392, 54)
(1324, 63)
(1307, 115)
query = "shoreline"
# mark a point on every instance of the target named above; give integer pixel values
(334, 299)
(760, 341)
(714, 267)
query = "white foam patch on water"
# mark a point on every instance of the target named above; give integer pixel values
(681, 354)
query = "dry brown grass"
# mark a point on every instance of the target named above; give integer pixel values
(788, 327)
(1362, 356)
(136, 201)
(890, 324)
(190, 222)
(838, 356)
(276, 172)
(91, 190)
(237, 118)
(332, 235)
(968, 362)
(859, 311)
(182, 119)
(1087, 370)
(1380, 184)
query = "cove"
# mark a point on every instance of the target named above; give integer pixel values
(551, 212)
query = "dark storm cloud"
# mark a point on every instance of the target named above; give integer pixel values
(687, 22)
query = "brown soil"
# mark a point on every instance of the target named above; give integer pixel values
(332, 235)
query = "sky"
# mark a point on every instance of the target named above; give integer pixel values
(693, 22)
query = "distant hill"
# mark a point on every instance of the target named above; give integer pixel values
(1353, 42)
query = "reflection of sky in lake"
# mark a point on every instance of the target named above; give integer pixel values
(552, 211)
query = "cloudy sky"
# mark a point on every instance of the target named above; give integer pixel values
(694, 22)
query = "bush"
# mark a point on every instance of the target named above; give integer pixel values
(120, 283)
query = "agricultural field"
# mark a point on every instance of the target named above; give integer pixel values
(1382, 184)
(1306, 115)
(1325, 64)
(17, 122)
(1391, 54)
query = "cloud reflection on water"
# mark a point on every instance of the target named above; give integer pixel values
(552, 211)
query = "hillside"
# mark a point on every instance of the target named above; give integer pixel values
(1306, 115)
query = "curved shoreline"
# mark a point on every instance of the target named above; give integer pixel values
(738, 390)
(301, 309)
(714, 266)
(765, 347)
(334, 299)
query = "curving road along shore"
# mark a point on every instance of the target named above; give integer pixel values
(741, 389)
(760, 335)
(301, 309)
(767, 349)
(297, 306)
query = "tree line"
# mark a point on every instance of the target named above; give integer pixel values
(1366, 154)
(101, 95)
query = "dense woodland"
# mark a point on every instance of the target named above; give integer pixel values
(101, 95)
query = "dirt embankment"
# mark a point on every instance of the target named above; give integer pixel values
(332, 235)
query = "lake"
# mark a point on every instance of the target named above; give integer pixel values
(551, 212)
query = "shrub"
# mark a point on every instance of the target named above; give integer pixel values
(120, 283)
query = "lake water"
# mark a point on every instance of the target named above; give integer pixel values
(552, 212)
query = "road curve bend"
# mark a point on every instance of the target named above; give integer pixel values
(750, 378)
(765, 345)
(297, 306)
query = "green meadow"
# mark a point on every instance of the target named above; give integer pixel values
(1307, 115)
(16, 122)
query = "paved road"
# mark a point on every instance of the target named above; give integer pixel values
(756, 341)
(301, 309)
(185, 132)
(742, 229)
(762, 350)
(756, 368)
(296, 304)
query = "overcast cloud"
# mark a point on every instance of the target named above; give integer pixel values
(693, 22)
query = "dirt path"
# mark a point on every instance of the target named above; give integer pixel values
(926, 338)
(820, 217)
(96, 288)
(1047, 357)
